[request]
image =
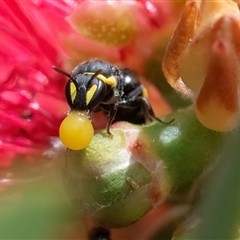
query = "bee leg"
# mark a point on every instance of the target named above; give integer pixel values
(148, 111)
(99, 233)
(112, 114)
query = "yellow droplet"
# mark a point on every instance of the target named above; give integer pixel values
(76, 131)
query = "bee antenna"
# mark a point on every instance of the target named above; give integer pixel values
(57, 69)
(99, 71)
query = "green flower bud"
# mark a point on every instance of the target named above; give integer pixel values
(116, 180)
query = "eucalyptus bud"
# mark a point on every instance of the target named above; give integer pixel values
(116, 180)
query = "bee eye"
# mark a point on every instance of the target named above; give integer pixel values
(76, 131)
(95, 94)
(70, 92)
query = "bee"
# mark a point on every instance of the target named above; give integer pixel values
(97, 85)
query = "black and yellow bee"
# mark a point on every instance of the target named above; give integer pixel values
(97, 85)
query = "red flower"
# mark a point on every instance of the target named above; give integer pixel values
(35, 35)
(32, 103)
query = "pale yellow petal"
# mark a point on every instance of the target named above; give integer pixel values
(217, 103)
(182, 36)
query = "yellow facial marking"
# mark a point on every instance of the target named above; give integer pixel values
(76, 131)
(90, 93)
(109, 81)
(145, 93)
(73, 91)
